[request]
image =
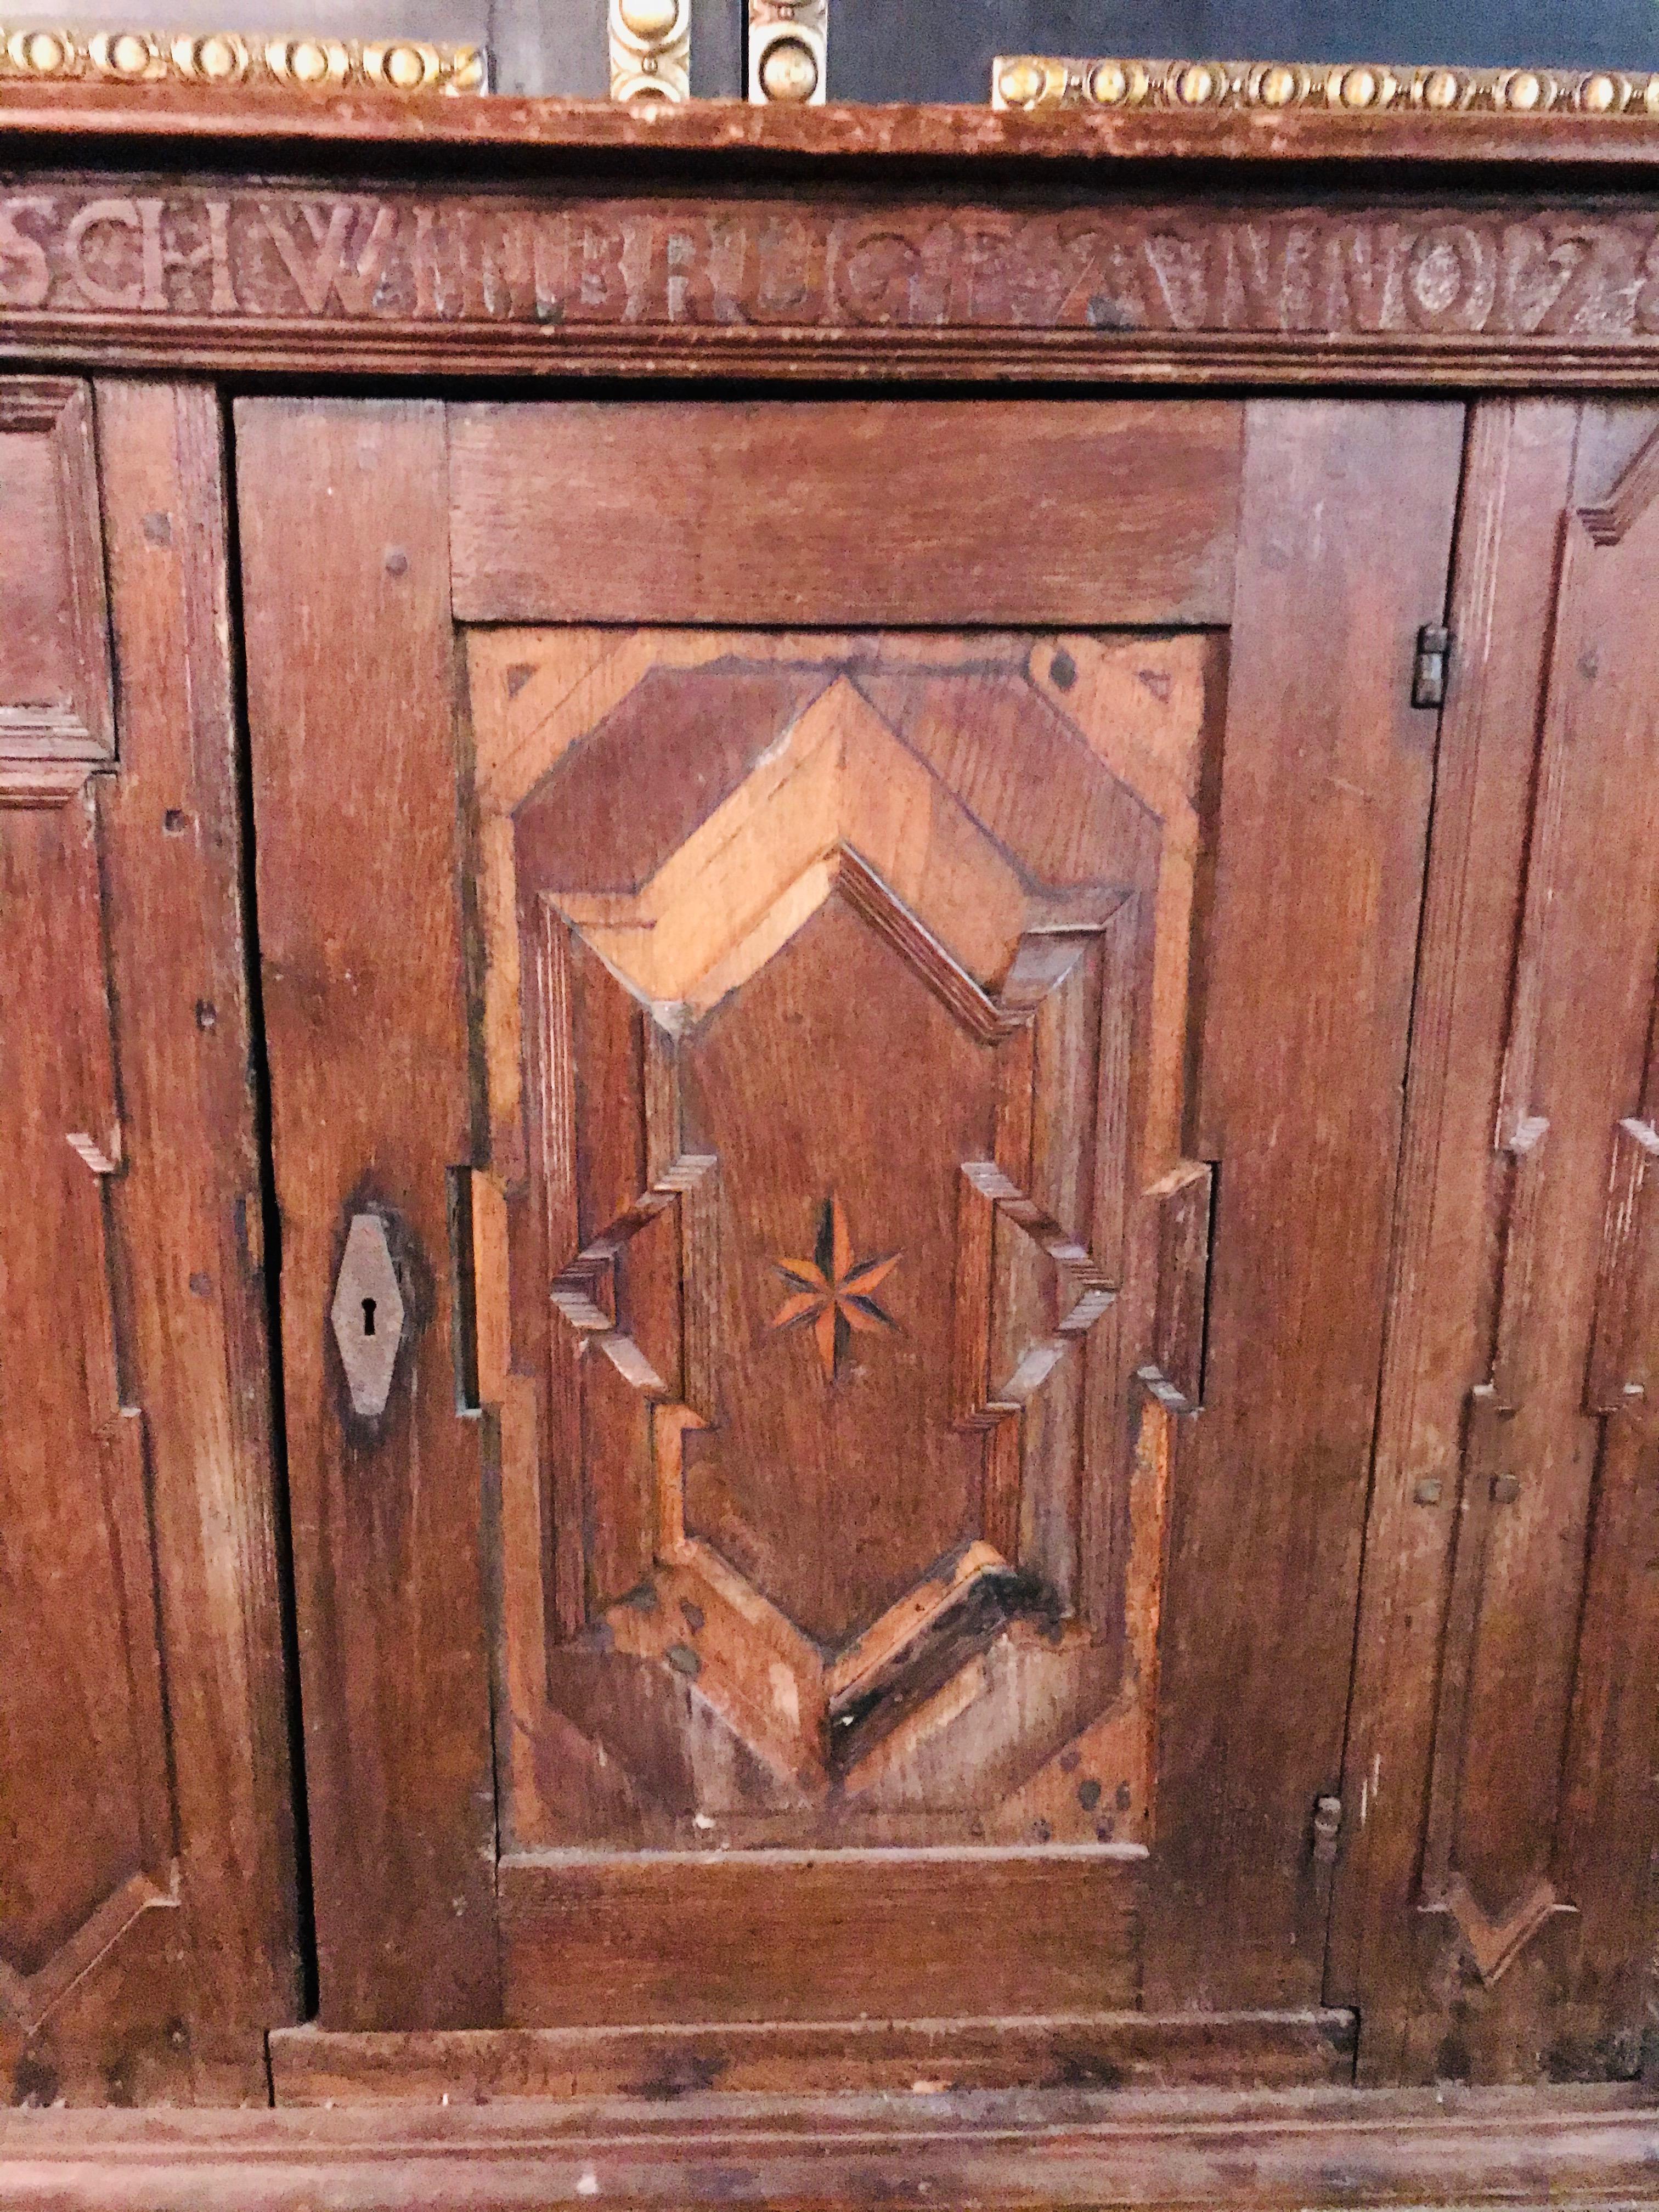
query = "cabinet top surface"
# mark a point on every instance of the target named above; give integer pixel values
(181, 124)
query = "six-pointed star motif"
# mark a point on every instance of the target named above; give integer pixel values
(833, 1290)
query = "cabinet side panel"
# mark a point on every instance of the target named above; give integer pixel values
(1446, 1264)
(1529, 1912)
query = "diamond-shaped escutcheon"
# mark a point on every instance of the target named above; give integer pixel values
(367, 1315)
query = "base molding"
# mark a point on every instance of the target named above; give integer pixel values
(810, 2058)
(1076, 2148)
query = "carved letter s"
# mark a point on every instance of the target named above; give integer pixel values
(26, 286)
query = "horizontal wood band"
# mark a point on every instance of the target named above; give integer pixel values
(818, 1937)
(653, 138)
(969, 512)
(898, 2057)
(1068, 2148)
(142, 271)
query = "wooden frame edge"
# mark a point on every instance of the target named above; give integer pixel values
(1129, 2050)
(1069, 2148)
(96, 115)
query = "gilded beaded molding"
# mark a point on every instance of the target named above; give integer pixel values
(650, 44)
(295, 63)
(788, 48)
(1037, 81)
(650, 49)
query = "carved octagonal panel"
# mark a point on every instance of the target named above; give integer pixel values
(832, 1023)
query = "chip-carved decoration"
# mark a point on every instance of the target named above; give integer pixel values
(48, 54)
(649, 1618)
(1343, 88)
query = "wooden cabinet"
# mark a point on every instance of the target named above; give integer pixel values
(867, 1086)
(867, 1180)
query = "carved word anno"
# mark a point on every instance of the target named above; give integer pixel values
(294, 257)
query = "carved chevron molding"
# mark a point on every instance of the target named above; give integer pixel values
(1039, 81)
(221, 58)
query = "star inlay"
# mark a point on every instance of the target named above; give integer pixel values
(832, 1290)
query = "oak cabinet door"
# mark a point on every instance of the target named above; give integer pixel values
(148, 1928)
(838, 980)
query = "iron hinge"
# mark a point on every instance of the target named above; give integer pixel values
(1434, 647)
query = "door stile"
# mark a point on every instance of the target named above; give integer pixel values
(1344, 547)
(352, 733)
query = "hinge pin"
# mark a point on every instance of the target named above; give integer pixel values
(1429, 669)
(1328, 1826)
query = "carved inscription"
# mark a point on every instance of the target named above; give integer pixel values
(276, 255)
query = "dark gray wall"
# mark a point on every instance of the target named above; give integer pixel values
(943, 48)
(882, 50)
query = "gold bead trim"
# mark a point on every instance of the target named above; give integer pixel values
(227, 57)
(650, 49)
(1037, 81)
(788, 52)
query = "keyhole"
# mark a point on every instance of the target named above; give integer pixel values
(368, 1316)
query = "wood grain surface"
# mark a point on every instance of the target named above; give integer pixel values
(763, 1936)
(148, 1916)
(1513, 1422)
(343, 511)
(1058, 512)
(813, 139)
(1346, 539)
(1121, 2050)
(190, 1203)
(1021, 1202)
